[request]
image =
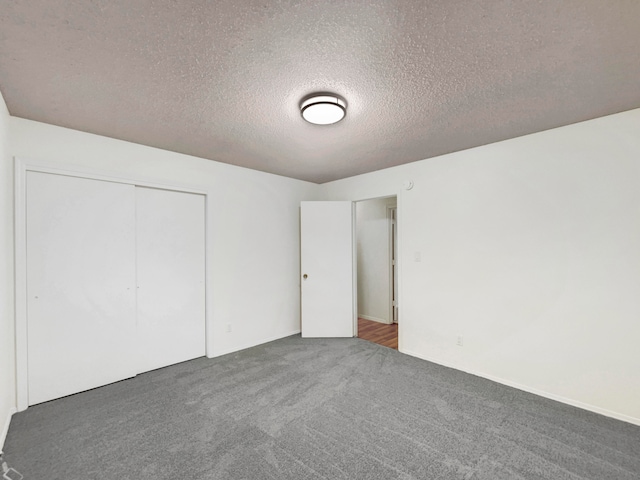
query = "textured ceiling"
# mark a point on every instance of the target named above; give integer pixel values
(223, 80)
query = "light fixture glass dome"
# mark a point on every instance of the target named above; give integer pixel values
(323, 109)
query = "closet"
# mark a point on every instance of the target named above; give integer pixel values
(115, 281)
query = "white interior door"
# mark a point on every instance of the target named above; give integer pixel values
(327, 284)
(80, 284)
(170, 231)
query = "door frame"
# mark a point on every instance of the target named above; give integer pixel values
(392, 218)
(354, 269)
(21, 167)
(399, 203)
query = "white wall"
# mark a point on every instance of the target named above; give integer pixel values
(373, 241)
(530, 250)
(7, 345)
(254, 239)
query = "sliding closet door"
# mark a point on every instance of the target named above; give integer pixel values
(170, 276)
(80, 284)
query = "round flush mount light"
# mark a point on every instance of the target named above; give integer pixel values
(323, 109)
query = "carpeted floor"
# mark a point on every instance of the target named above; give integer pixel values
(316, 409)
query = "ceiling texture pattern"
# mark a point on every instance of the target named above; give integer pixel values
(223, 79)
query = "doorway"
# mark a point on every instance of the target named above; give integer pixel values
(377, 279)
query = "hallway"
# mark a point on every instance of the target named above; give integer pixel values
(380, 333)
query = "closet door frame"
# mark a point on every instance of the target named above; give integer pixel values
(21, 167)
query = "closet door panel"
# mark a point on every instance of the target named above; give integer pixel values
(80, 284)
(170, 255)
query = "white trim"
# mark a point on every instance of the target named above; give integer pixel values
(22, 166)
(255, 344)
(73, 170)
(389, 213)
(374, 319)
(354, 270)
(5, 427)
(390, 242)
(399, 263)
(20, 269)
(535, 391)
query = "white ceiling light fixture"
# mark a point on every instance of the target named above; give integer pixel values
(323, 109)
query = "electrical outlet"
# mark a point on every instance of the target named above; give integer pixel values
(459, 341)
(228, 328)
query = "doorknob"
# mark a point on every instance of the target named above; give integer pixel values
(304, 276)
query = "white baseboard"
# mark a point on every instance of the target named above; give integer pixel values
(5, 427)
(535, 391)
(374, 319)
(255, 344)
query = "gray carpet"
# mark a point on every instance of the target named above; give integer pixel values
(316, 409)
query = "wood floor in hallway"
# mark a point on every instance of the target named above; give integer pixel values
(380, 333)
